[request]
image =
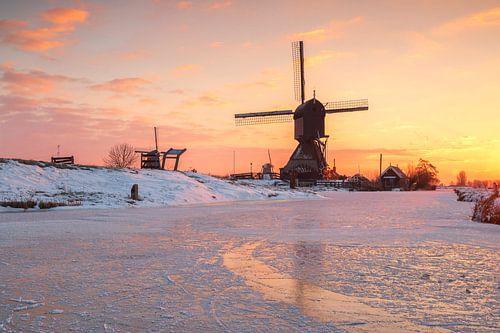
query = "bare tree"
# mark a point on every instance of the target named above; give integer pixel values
(121, 156)
(423, 176)
(461, 178)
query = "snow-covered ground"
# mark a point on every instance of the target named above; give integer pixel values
(352, 262)
(103, 187)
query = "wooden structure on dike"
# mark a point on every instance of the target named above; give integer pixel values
(155, 159)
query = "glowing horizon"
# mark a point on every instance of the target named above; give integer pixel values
(86, 75)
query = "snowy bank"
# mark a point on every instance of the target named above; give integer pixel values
(487, 204)
(105, 187)
(471, 194)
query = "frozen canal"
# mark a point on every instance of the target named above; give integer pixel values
(355, 262)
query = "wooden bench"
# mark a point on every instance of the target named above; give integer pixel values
(63, 160)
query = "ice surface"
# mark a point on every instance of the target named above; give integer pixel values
(413, 257)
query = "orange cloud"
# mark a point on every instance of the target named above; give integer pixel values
(485, 19)
(186, 69)
(125, 85)
(41, 39)
(326, 56)
(334, 29)
(217, 5)
(184, 5)
(205, 100)
(216, 45)
(313, 34)
(61, 16)
(134, 55)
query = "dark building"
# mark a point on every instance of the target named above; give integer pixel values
(394, 178)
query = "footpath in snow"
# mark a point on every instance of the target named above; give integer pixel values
(88, 187)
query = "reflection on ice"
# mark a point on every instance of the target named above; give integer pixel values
(316, 302)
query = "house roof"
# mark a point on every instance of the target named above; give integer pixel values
(394, 169)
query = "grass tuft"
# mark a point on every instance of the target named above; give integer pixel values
(27, 204)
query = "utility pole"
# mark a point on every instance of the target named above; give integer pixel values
(156, 140)
(58, 150)
(380, 167)
(234, 162)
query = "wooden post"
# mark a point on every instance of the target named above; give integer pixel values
(156, 140)
(134, 192)
(176, 163)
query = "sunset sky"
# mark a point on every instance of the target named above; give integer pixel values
(86, 75)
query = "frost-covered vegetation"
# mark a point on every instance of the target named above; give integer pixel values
(487, 204)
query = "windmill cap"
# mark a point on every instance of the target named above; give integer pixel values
(312, 105)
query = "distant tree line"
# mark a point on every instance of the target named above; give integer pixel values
(462, 181)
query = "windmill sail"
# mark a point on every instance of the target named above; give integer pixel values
(346, 106)
(298, 70)
(268, 117)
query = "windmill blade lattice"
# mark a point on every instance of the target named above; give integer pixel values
(346, 106)
(270, 117)
(298, 70)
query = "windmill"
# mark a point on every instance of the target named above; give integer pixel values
(308, 161)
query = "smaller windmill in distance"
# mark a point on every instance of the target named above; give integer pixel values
(308, 161)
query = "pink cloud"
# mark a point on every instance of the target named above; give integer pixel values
(186, 69)
(177, 91)
(79, 129)
(31, 82)
(125, 85)
(12, 24)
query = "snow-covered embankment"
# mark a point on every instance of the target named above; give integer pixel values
(105, 187)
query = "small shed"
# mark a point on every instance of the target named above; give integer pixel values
(394, 178)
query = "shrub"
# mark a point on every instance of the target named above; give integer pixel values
(24, 204)
(487, 210)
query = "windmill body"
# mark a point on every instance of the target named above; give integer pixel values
(308, 160)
